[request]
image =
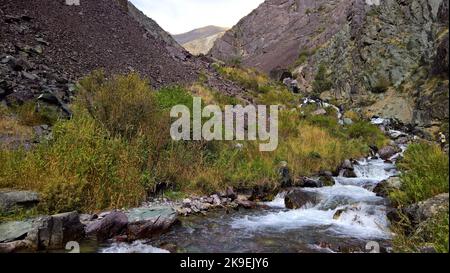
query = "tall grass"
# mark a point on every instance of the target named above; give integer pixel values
(117, 150)
(425, 174)
(425, 170)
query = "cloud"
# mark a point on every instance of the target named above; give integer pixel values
(178, 16)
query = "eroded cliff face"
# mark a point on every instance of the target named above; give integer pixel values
(274, 34)
(391, 59)
(381, 57)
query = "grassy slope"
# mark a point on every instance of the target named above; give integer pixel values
(117, 149)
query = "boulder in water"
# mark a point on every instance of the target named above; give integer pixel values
(349, 173)
(383, 188)
(147, 222)
(306, 182)
(298, 198)
(12, 231)
(347, 165)
(53, 232)
(388, 152)
(15, 246)
(111, 225)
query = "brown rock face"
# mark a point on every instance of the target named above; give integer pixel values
(275, 33)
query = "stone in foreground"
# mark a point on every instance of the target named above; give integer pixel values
(148, 222)
(298, 198)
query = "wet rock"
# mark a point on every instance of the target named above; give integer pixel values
(349, 173)
(383, 188)
(387, 152)
(262, 193)
(10, 199)
(148, 222)
(16, 246)
(327, 180)
(298, 198)
(216, 200)
(229, 193)
(246, 204)
(12, 231)
(402, 141)
(338, 214)
(306, 182)
(111, 225)
(53, 232)
(285, 175)
(347, 164)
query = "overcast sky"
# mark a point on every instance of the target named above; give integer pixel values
(179, 16)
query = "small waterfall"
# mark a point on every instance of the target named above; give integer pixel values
(347, 209)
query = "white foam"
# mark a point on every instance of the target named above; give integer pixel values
(278, 201)
(360, 221)
(135, 247)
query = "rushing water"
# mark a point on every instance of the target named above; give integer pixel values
(348, 216)
(273, 228)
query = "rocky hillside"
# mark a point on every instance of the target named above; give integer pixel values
(390, 59)
(46, 45)
(200, 41)
(274, 33)
(199, 33)
(384, 57)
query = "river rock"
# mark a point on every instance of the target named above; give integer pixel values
(298, 198)
(111, 225)
(15, 246)
(53, 232)
(387, 152)
(147, 222)
(246, 204)
(349, 173)
(229, 192)
(386, 186)
(10, 199)
(285, 175)
(347, 164)
(16, 230)
(327, 180)
(306, 182)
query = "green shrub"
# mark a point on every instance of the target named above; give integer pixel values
(175, 95)
(31, 115)
(425, 169)
(124, 105)
(321, 82)
(368, 132)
